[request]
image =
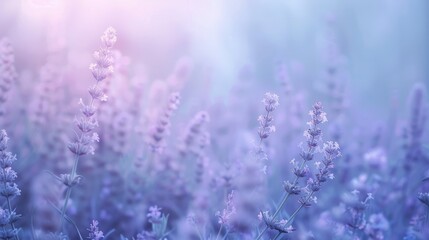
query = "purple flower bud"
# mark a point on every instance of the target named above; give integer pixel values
(70, 181)
(109, 37)
(424, 198)
(266, 127)
(271, 101)
(291, 189)
(94, 232)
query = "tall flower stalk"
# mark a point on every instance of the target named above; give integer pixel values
(85, 135)
(266, 127)
(162, 126)
(94, 232)
(8, 189)
(331, 151)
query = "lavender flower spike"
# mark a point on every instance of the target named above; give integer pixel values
(160, 130)
(8, 188)
(227, 213)
(266, 127)
(331, 151)
(94, 232)
(86, 137)
(194, 132)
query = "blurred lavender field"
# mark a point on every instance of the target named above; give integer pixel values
(213, 120)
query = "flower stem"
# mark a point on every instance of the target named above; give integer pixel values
(218, 233)
(69, 189)
(10, 211)
(278, 235)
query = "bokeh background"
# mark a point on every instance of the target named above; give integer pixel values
(384, 42)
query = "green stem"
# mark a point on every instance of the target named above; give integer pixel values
(260, 141)
(68, 219)
(109, 233)
(310, 150)
(199, 233)
(33, 233)
(283, 202)
(262, 233)
(69, 189)
(226, 234)
(218, 233)
(285, 198)
(278, 235)
(63, 210)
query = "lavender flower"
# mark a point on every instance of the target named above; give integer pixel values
(424, 198)
(331, 151)
(314, 133)
(94, 232)
(226, 215)
(217, 173)
(159, 223)
(266, 127)
(160, 130)
(354, 217)
(154, 214)
(86, 124)
(195, 134)
(281, 226)
(8, 187)
(291, 189)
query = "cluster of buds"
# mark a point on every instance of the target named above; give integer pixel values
(8, 189)
(323, 172)
(266, 127)
(225, 217)
(94, 232)
(161, 128)
(196, 137)
(282, 226)
(87, 123)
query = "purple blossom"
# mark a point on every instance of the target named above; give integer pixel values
(86, 137)
(161, 128)
(195, 134)
(154, 214)
(225, 217)
(266, 127)
(8, 188)
(94, 232)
